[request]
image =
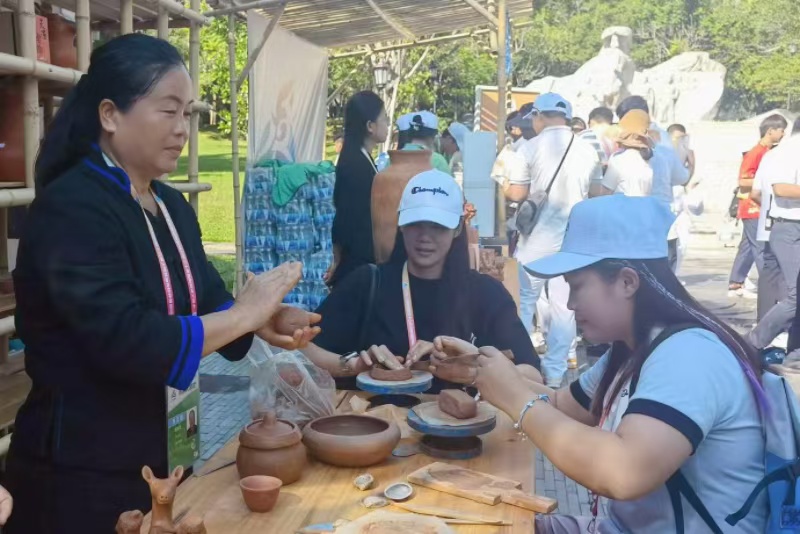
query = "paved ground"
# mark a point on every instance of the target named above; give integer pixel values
(224, 385)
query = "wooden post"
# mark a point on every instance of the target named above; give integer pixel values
(163, 24)
(237, 201)
(126, 16)
(194, 125)
(502, 40)
(26, 15)
(84, 34)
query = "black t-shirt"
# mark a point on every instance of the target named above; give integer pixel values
(493, 318)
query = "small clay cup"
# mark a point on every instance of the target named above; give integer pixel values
(351, 440)
(260, 492)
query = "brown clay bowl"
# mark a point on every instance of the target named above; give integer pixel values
(260, 492)
(351, 440)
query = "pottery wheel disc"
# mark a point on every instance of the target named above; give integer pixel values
(419, 382)
(468, 428)
(451, 448)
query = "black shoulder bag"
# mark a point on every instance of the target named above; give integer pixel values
(531, 208)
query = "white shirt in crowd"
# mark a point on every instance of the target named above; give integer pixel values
(630, 174)
(714, 408)
(541, 156)
(784, 168)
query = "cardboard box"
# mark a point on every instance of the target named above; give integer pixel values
(9, 35)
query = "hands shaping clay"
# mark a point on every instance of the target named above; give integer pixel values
(390, 375)
(289, 320)
(458, 404)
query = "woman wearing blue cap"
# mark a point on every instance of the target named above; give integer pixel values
(425, 290)
(672, 409)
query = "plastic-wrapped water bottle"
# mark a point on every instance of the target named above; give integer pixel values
(382, 162)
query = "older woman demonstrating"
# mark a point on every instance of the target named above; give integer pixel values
(116, 298)
(678, 395)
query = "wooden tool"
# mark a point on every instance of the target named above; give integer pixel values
(448, 514)
(479, 487)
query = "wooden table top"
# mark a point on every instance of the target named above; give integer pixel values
(326, 493)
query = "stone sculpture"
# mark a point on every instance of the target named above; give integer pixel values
(686, 88)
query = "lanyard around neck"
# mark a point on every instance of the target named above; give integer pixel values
(411, 327)
(166, 280)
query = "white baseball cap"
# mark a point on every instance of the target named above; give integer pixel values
(432, 196)
(609, 227)
(551, 102)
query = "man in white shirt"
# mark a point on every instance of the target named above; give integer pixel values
(600, 119)
(781, 174)
(559, 157)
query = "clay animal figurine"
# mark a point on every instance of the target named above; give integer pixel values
(163, 492)
(130, 522)
(192, 525)
(390, 375)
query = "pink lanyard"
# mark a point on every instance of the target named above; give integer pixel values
(411, 327)
(162, 263)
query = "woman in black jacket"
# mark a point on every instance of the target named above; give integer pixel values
(116, 298)
(365, 127)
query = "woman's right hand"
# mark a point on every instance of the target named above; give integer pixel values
(262, 295)
(447, 364)
(6, 504)
(368, 358)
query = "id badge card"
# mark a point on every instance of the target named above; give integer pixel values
(183, 425)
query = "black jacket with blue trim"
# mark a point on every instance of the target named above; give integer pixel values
(91, 310)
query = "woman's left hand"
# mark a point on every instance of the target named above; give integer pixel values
(498, 379)
(418, 351)
(299, 340)
(6, 504)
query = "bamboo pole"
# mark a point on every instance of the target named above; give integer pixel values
(194, 124)
(178, 9)
(189, 187)
(7, 326)
(162, 23)
(16, 197)
(237, 8)
(25, 66)
(494, 21)
(84, 34)
(126, 16)
(502, 40)
(237, 201)
(26, 17)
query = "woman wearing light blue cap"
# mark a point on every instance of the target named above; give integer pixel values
(672, 409)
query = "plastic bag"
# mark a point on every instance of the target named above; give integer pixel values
(289, 384)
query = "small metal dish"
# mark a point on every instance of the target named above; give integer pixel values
(399, 492)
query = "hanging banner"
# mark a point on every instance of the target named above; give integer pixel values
(288, 90)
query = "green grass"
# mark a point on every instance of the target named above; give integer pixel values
(216, 206)
(226, 267)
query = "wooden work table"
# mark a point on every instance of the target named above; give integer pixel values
(326, 493)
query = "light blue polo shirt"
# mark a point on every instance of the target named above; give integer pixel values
(694, 383)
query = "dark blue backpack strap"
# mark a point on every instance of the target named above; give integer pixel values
(787, 474)
(677, 485)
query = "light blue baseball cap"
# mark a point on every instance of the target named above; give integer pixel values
(552, 102)
(609, 227)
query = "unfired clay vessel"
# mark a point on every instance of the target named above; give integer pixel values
(271, 447)
(130, 522)
(289, 319)
(387, 189)
(351, 440)
(260, 493)
(390, 375)
(163, 492)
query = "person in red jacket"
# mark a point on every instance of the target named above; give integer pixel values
(751, 250)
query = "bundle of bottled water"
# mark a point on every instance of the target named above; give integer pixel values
(300, 230)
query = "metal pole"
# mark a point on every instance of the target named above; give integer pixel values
(194, 124)
(237, 201)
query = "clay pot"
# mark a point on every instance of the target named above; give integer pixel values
(260, 493)
(63, 52)
(12, 132)
(271, 447)
(351, 440)
(387, 189)
(288, 320)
